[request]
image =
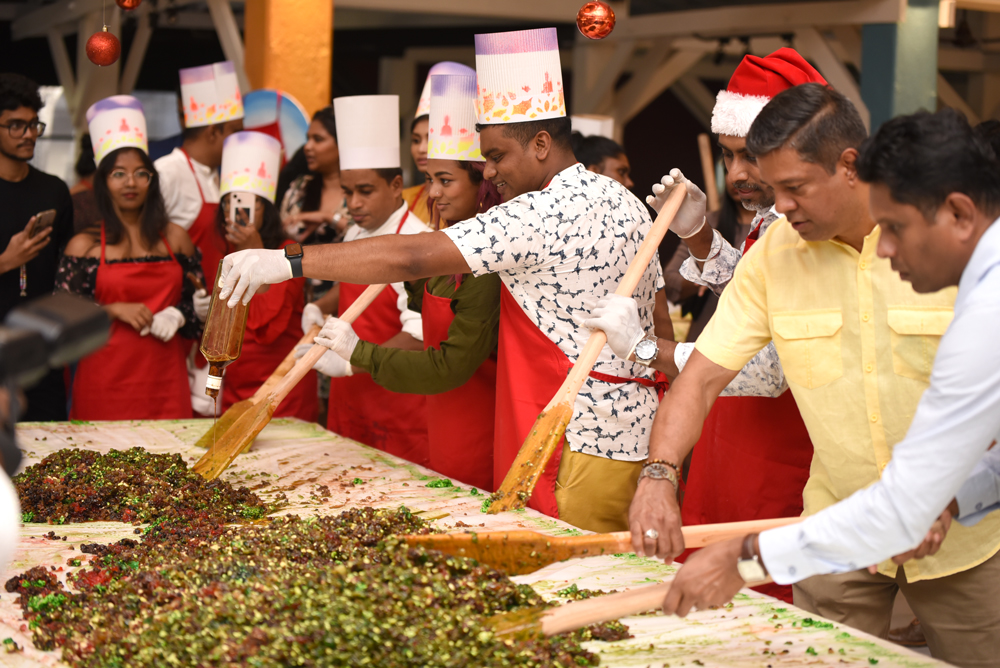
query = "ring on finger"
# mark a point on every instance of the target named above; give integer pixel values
(652, 534)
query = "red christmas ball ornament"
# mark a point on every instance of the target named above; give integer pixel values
(128, 4)
(103, 48)
(595, 20)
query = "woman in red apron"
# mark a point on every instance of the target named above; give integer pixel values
(250, 165)
(134, 265)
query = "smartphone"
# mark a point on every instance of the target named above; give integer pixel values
(245, 202)
(43, 221)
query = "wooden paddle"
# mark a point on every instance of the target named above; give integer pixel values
(521, 552)
(543, 621)
(548, 430)
(234, 412)
(239, 437)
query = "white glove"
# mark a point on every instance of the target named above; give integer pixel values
(339, 337)
(245, 271)
(330, 364)
(202, 300)
(166, 323)
(618, 317)
(690, 217)
(311, 315)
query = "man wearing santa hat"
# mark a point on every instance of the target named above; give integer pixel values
(189, 178)
(752, 460)
(562, 236)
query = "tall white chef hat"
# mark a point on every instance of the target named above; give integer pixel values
(444, 67)
(451, 132)
(520, 76)
(210, 94)
(116, 122)
(368, 131)
(250, 164)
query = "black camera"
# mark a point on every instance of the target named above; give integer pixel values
(48, 332)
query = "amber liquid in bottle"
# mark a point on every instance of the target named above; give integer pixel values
(223, 337)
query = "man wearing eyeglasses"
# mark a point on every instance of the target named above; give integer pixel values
(31, 242)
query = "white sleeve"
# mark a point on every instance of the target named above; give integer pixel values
(761, 377)
(171, 187)
(411, 321)
(980, 494)
(957, 419)
(716, 273)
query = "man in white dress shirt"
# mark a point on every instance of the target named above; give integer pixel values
(935, 193)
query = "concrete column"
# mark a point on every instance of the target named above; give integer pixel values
(289, 46)
(899, 63)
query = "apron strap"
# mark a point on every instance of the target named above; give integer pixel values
(169, 251)
(661, 383)
(194, 173)
(416, 199)
(402, 222)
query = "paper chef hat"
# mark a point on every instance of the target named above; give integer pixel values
(368, 131)
(250, 164)
(451, 133)
(593, 124)
(444, 67)
(753, 84)
(520, 76)
(211, 94)
(116, 122)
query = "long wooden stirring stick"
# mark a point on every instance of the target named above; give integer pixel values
(240, 436)
(548, 430)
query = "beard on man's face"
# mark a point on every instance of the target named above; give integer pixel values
(760, 201)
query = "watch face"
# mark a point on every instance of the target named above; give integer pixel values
(292, 250)
(646, 350)
(750, 570)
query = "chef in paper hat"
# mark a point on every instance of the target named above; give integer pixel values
(117, 122)
(562, 237)
(248, 218)
(213, 110)
(416, 196)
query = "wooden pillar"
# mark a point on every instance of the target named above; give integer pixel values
(289, 46)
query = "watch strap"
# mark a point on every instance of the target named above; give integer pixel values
(293, 253)
(749, 551)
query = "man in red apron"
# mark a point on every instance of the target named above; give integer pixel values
(753, 458)
(561, 237)
(373, 184)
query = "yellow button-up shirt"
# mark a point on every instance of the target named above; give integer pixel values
(857, 345)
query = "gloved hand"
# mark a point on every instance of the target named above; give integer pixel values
(690, 217)
(311, 315)
(202, 300)
(339, 337)
(330, 364)
(618, 317)
(166, 323)
(245, 271)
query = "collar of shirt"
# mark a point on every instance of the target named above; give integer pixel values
(983, 260)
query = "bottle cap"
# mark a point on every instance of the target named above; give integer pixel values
(213, 383)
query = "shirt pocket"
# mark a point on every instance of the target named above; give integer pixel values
(808, 344)
(914, 334)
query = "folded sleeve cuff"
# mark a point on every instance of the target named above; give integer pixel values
(978, 496)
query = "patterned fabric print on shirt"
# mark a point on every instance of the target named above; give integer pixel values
(558, 250)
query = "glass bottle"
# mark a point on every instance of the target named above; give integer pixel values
(223, 337)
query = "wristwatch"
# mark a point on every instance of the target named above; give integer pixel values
(646, 351)
(293, 253)
(750, 566)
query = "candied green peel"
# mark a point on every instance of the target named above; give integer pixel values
(320, 591)
(129, 486)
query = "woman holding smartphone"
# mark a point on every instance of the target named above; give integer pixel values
(135, 264)
(248, 218)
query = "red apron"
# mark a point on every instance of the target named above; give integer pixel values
(459, 422)
(751, 463)
(203, 232)
(361, 409)
(530, 369)
(135, 377)
(273, 330)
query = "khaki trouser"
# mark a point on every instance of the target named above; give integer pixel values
(594, 493)
(960, 614)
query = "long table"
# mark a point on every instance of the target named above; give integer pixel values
(298, 459)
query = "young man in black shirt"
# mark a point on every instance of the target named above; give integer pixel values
(28, 262)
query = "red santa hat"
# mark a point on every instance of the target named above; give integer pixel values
(753, 84)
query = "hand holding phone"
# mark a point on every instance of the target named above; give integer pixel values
(242, 207)
(43, 221)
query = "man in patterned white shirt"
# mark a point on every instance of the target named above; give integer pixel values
(562, 236)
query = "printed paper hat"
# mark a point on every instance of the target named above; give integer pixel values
(116, 122)
(368, 131)
(451, 133)
(520, 77)
(753, 84)
(250, 164)
(592, 124)
(211, 94)
(444, 67)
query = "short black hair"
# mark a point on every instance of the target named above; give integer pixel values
(815, 120)
(188, 134)
(389, 173)
(595, 149)
(85, 165)
(16, 91)
(989, 131)
(560, 129)
(922, 158)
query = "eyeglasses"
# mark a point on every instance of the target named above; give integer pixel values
(141, 176)
(16, 129)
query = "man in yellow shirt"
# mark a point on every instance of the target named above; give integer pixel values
(856, 344)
